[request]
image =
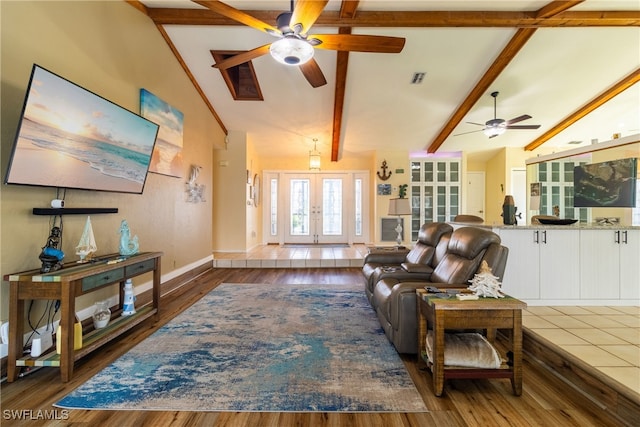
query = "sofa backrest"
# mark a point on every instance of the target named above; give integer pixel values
(429, 236)
(466, 249)
(441, 250)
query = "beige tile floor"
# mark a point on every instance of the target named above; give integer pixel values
(608, 338)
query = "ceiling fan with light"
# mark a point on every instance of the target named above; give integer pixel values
(495, 126)
(295, 46)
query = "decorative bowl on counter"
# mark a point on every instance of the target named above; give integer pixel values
(559, 221)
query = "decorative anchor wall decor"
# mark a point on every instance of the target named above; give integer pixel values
(384, 168)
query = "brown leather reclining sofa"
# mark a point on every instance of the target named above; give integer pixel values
(456, 258)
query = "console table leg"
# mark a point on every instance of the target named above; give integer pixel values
(16, 325)
(516, 345)
(67, 319)
(157, 280)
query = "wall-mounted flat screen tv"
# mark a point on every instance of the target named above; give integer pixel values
(606, 184)
(69, 137)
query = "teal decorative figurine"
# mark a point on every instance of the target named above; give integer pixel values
(128, 246)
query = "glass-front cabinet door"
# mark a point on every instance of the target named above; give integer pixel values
(435, 191)
(556, 189)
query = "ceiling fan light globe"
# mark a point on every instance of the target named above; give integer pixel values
(494, 130)
(291, 51)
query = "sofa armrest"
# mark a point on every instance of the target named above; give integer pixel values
(386, 257)
(416, 268)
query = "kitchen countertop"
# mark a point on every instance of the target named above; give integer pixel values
(576, 226)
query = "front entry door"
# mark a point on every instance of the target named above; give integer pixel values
(317, 208)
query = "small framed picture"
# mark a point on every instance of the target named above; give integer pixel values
(384, 189)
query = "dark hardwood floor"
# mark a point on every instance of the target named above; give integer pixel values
(545, 401)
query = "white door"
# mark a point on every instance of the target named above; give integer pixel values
(316, 208)
(475, 194)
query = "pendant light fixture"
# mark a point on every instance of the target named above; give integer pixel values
(314, 157)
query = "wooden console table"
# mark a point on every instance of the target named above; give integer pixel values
(65, 285)
(439, 314)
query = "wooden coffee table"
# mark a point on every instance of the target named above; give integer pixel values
(439, 314)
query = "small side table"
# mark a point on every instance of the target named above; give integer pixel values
(439, 314)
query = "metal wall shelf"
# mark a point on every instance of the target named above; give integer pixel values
(73, 211)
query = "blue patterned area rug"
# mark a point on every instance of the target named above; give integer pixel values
(267, 348)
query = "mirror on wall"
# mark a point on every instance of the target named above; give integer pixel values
(550, 183)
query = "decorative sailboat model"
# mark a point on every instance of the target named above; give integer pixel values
(87, 244)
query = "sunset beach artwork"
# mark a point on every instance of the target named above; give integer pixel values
(70, 137)
(167, 155)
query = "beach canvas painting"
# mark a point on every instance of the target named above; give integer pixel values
(167, 155)
(70, 137)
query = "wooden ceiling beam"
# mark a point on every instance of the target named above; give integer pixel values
(347, 10)
(556, 7)
(408, 19)
(342, 62)
(590, 106)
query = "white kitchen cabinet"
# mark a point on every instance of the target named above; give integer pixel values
(600, 260)
(610, 264)
(559, 264)
(543, 263)
(630, 264)
(521, 274)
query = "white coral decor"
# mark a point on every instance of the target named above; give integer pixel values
(485, 284)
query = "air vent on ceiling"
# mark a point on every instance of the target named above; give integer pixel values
(417, 78)
(574, 142)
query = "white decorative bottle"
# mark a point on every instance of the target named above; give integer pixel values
(129, 298)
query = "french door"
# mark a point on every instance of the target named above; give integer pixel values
(315, 207)
(316, 211)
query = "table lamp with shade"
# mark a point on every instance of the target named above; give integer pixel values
(399, 207)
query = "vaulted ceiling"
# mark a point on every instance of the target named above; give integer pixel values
(571, 65)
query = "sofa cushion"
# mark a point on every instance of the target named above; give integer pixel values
(455, 269)
(467, 242)
(420, 254)
(465, 250)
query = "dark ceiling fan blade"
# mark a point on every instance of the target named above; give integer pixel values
(523, 127)
(243, 57)
(518, 119)
(313, 73)
(359, 43)
(471, 131)
(305, 13)
(477, 124)
(237, 15)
